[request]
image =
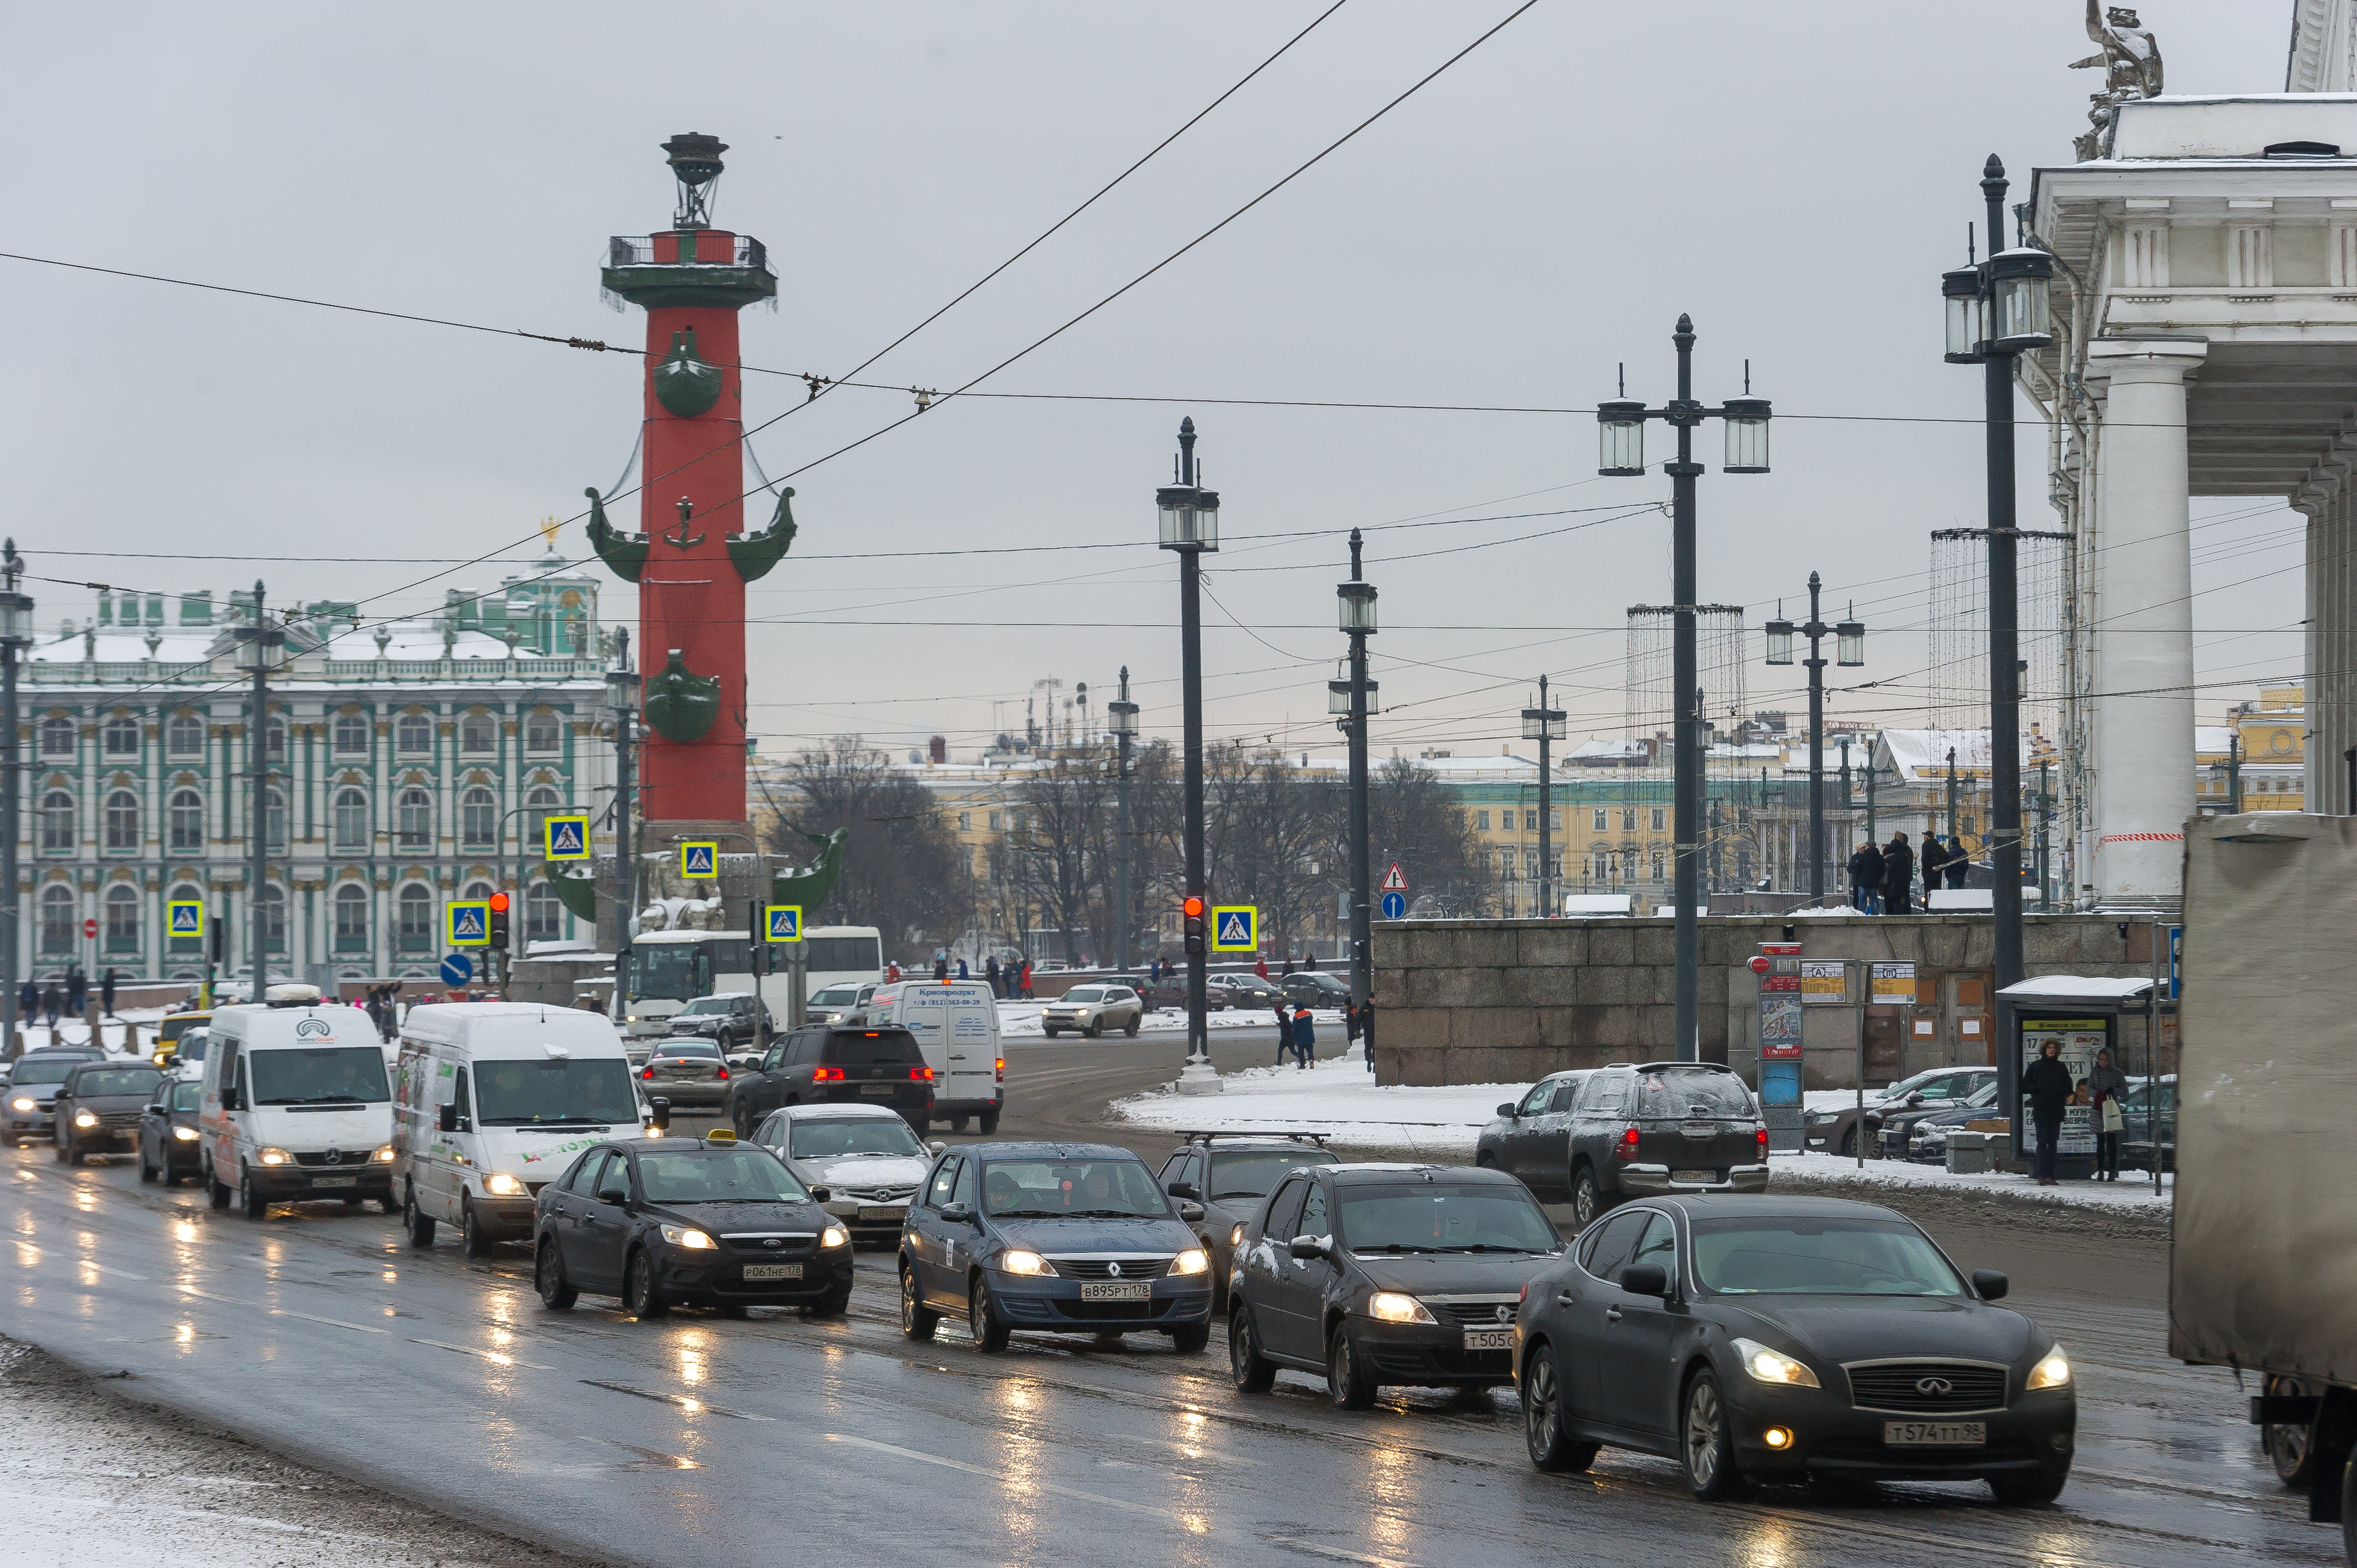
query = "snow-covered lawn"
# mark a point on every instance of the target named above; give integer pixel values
(1335, 1096)
(2133, 1191)
(1020, 1020)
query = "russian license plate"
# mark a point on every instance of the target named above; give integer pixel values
(1489, 1340)
(1115, 1290)
(336, 1180)
(876, 1088)
(1693, 1176)
(882, 1216)
(755, 1273)
(1934, 1434)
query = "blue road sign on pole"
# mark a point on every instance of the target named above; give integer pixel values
(185, 918)
(565, 836)
(699, 860)
(1235, 927)
(458, 969)
(1394, 906)
(470, 922)
(784, 922)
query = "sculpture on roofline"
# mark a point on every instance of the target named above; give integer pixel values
(2131, 62)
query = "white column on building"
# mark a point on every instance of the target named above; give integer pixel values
(2144, 630)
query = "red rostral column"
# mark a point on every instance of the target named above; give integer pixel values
(692, 280)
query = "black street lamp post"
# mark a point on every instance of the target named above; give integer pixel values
(1545, 725)
(1190, 525)
(1122, 715)
(15, 633)
(1849, 647)
(1996, 310)
(259, 649)
(623, 703)
(1621, 452)
(1354, 607)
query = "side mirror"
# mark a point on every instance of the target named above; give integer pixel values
(1511, 1112)
(821, 1195)
(935, 1147)
(447, 1118)
(1916, 1098)
(613, 1195)
(1191, 1212)
(1305, 1248)
(231, 1100)
(958, 1214)
(659, 1113)
(1645, 1279)
(1991, 1283)
(1184, 1189)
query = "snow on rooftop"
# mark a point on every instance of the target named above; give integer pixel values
(2097, 988)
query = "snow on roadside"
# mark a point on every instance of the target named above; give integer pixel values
(74, 1032)
(1337, 1096)
(2133, 1191)
(1020, 1020)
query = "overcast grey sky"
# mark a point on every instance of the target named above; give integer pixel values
(1795, 175)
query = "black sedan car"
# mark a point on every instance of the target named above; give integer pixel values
(99, 1107)
(1065, 1238)
(1248, 992)
(1772, 1339)
(32, 1092)
(1228, 1174)
(1386, 1273)
(670, 1221)
(1314, 988)
(167, 1132)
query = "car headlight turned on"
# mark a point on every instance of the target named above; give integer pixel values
(833, 1236)
(273, 1157)
(384, 1155)
(1765, 1366)
(1237, 1236)
(1020, 1261)
(501, 1184)
(21, 1103)
(1193, 1260)
(691, 1239)
(85, 1119)
(1391, 1306)
(2052, 1371)
(186, 1135)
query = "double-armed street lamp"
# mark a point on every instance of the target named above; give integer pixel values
(1545, 725)
(1849, 647)
(1621, 452)
(1355, 609)
(1121, 714)
(261, 647)
(1998, 309)
(1190, 526)
(16, 634)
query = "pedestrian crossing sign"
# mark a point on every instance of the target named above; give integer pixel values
(699, 860)
(1235, 927)
(564, 835)
(470, 921)
(184, 917)
(783, 922)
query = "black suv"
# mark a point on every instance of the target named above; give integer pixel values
(1315, 988)
(1663, 1127)
(835, 1063)
(100, 1105)
(1386, 1273)
(1228, 1174)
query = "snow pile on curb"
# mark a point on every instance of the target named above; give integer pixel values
(1338, 1096)
(1020, 1020)
(2131, 1194)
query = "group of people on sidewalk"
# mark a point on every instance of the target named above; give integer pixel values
(2046, 1084)
(1010, 982)
(1882, 879)
(64, 998)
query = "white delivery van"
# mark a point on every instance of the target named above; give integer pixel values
(493, 1099)
(956, 1022)
(295, 1105)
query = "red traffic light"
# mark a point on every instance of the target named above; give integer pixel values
(1192, 908)
(498, 903)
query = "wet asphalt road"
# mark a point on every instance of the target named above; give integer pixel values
(699, 1441)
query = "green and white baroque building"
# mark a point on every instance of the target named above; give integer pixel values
(408, 764)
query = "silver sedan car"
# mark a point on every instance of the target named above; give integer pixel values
(689, 1073)
(864, 1156)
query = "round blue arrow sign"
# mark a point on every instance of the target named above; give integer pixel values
(458, 969)
(1394, 906)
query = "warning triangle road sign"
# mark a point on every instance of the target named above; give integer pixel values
(1393, 881)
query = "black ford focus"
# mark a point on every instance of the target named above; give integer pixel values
(1771, 1339)
(1381, 1274)
(666, 1221)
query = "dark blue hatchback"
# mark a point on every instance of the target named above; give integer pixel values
(1063, 1238)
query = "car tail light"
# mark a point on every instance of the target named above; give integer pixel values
(1002, 1069)
(724, 1073)
(1760, 1137)
(826, 1075)
(1626, 1149)
(649, 1071)
(921, 1074)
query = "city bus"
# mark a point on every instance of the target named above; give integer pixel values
(665, 971)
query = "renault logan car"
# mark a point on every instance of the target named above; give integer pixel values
(1784, 1338)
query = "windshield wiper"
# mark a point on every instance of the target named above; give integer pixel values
(1029, 1214)
(311, 1099)
(1396, 1246)
(1485, 1247)
(550, 1121)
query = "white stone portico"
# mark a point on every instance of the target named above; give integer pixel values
(2206, 345)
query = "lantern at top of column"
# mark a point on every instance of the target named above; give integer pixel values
(1967, 315)
(1120, 717)
(16, 618)
(1542, 723)
(1849, 643)
(1780, 640)
(2020, 279)
(1354, 606)
(1747, 435)
(1620, 437)
(1190, 518)
(1338, 696)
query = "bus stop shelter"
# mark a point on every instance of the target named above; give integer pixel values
(2084, 1014)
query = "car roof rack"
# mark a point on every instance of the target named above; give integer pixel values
(1655, 1066)
(1207, 1134)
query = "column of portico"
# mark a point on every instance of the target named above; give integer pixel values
(2144, 642)
(2332, 640)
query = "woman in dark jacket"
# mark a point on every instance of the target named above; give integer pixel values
(1898, 875)
(1934, 856)
(2048, 1086)
(2106, 1084)
(1866, 877)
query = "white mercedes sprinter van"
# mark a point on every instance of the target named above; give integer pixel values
(494, 1099)
(956, 1022)
(295, 1105)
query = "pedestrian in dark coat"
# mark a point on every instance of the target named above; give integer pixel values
(53, 1001)
(1283, 1032)
(1866, 879)
(1898, 875)
(28, 1000)
(77, 988)
(1960, 862)
(2105, 1086)
(1934, 856)
(990, 974)
(1305, 1038)
(106, 990)
(2047, 1085)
